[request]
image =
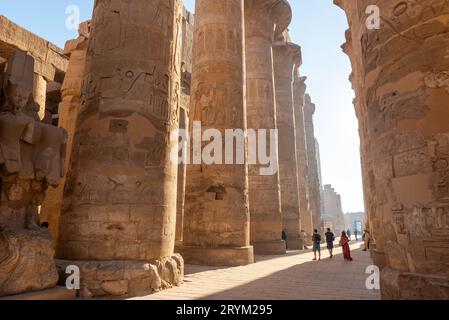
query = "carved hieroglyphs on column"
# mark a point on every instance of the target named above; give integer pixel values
(262, 20)
(71, 95)
(299, 91)
(401, 79)
(32, 158)
(286, 56)
(312, 161)
(120, 196)
(186, 75)
(216, 217)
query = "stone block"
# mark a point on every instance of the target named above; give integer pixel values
(26, 261)
(228, 257)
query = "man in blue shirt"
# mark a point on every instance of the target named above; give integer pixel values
(330, 238)
(316, 239)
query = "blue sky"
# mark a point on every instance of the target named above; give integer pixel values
(318, 26)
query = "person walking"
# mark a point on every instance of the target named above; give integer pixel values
(284, 237)
(344, 243)
(316, 239)
(366, 239)
(348, 234)
(356, 233)
(330, 238)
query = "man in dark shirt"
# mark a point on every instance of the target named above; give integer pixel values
(284, 237)
(316, 239)
(330, 241)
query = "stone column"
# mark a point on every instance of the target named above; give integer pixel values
(314, 182)
(186, 77)
(216, 217)
(70, 94)
(120, 196)
(299, 90)
(261, 17)
(40, 93)
(286, 56)
(182, 172)
(401, 81)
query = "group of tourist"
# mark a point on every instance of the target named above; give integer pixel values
(344, 243)
(330, 238)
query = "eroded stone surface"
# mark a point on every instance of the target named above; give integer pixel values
(399, 74)
(125, 278)
(32, 156)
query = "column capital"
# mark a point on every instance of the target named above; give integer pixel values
(282, 14)
(287, 55)
(299, 84)
(276, 15)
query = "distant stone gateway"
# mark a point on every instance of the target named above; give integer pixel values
(159, 138)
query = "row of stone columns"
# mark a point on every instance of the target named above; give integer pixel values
(261, 20)
(299, 90)
(122, 187)
(243, 77)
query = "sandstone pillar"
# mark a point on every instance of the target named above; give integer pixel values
(40, 93)
(216, 217)
(261, 17)
(182, 172)
(286, 56)
(401, 81)
(186, 77)
(313, 178)
(299, 90)
(70, 94)
(118, 220)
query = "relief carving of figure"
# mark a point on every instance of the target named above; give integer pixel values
(32, 156)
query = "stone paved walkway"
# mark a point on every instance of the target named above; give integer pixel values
(291, 277)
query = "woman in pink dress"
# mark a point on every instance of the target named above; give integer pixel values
(344, 242)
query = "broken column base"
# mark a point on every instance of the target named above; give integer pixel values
(396, 284)
(26, 261)
(274, 247)
(295, 244)
(224, 256)
(124, 278)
